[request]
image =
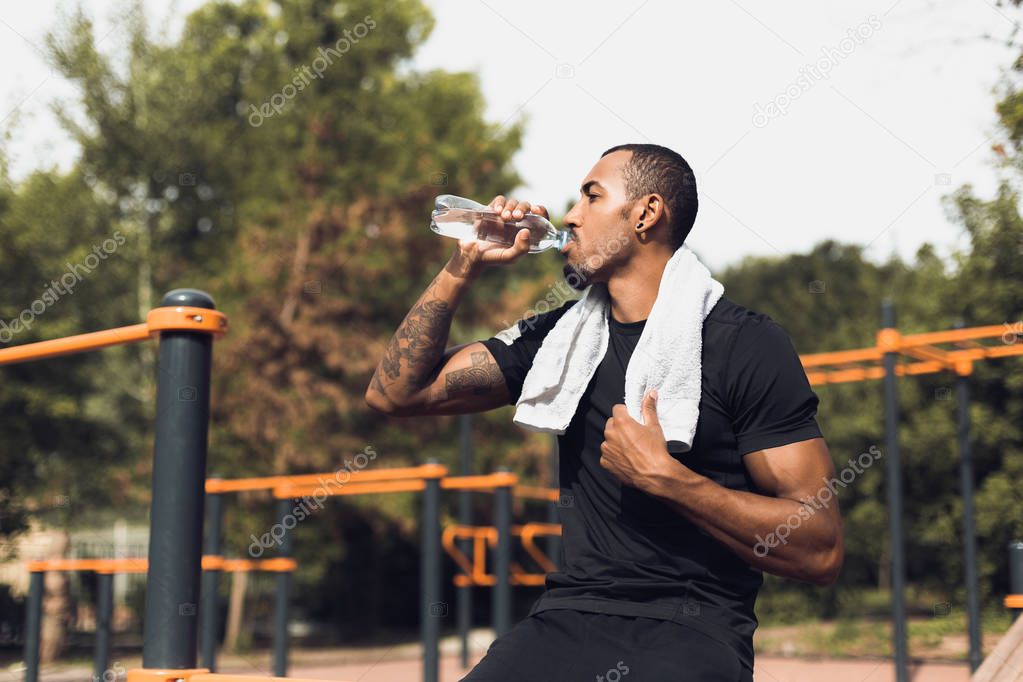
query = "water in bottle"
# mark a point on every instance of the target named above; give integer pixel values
(466, 219)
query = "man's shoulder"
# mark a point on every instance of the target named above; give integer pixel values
(535, 324)
(728, 313)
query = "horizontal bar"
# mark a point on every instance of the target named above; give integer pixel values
(138, 565)
(1014, 601)
(289, 491)
(74, 344)
(167, 318)
(485, 482)
(537, 492)
(217, 485)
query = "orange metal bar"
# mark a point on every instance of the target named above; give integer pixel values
(995, 331)
(289, 491)
(1014, 601)
(485, 482)
(138, 565)
(529, 532)
(74, 344)
(219, 677)
(449, 540)
(537, 492)
(339, 477)
(840, 357)
(159, 319)
(164, 675)
(202, 675)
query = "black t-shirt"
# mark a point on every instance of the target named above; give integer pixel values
(627, 553)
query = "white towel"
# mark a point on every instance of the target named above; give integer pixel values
(667, 356)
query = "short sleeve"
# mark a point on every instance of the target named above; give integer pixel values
(770, 397)
(515, 347)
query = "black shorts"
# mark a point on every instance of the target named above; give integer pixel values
(574, 646)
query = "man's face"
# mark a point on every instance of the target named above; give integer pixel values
(599, 222)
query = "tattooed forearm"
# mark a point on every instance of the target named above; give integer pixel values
(478, 379)
(418, 344)
(412, 355)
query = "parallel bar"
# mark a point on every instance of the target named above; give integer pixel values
(290, 492)
(210, 612)
(33, 621)
(969, 529)
(502, 560)
(432, 610)
(463, 594)
(179, 472)
(81, 343)
(554, 541)
(326, 480)
(280, 658)
(895, 534)
(1016, 570)
(104, 616)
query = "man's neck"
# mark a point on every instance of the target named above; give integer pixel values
(633, 291)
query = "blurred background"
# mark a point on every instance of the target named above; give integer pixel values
(845, 153)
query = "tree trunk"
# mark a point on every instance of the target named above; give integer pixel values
(53, 629)
(235, 609)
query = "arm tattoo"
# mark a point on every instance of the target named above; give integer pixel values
(478, 379)
(424, 333)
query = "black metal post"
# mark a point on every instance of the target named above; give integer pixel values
(895, 531)
(33, 622)
(283, 596)
(969, 528)
(104, 616)
(554, 541)
(432, 610)
(502, 559)
(179, 474)
(1016, 570)
(210, 612)
(463, 595)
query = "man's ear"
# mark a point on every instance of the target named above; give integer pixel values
(651, 211)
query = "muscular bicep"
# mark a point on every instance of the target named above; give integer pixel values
(802, 472)
(467, 379)
(798, 471)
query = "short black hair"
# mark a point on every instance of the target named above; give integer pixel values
(654, 169)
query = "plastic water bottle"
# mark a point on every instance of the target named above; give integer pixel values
(466, 219)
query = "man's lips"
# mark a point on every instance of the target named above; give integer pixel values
(568, 245)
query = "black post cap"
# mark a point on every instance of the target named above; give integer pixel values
(188, 297)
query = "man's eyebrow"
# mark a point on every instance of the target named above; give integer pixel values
(585, 189)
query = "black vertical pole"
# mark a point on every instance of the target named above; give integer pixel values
(463, 595)
(33, 621)
(104, 614)
(284, 512)
(554, 541)
(432, 610)
(179, 473)
(969, 529)
(1016, 570)
(502, 558)
(895, 531)
(210, 582)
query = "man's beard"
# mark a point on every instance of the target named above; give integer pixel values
(575, 277)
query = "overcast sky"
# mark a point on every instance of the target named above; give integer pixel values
(803, 120)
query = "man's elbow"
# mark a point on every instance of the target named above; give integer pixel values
(379, 402)
(829, 567)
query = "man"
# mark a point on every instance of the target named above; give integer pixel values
(663, 548)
